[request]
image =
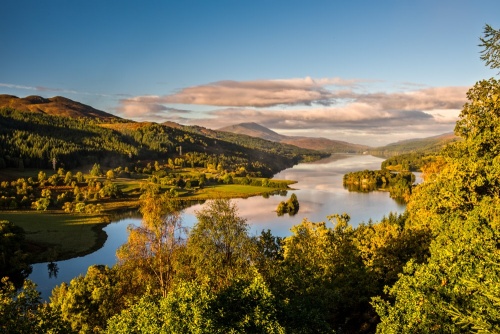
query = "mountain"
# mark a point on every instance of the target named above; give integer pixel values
(422, 145)
(311, 143)
(254, 130)
(56, 106)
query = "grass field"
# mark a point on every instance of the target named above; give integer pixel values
(57, 236)
(226, 191)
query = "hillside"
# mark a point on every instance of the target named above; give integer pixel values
(254, 130)
(35, 139)
(311, 143)
(422, 145)
(56, 106)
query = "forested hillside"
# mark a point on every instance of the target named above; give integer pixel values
(430, 145)
(39, 140)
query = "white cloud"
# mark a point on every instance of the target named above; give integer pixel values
(330, 106)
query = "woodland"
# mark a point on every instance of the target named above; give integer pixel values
(435, 268)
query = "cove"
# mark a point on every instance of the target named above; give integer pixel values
(319, 190)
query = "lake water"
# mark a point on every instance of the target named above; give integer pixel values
(319, 191)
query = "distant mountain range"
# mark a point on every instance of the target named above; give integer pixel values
(319, 144)
(61, 106)
(426, 145)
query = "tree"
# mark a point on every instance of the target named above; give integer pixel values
(491, 43)
(68, 178)
(244, 306)
(79, 177)
(13, 258)
(96, 170)
(110, 174)
(88, 301)
(41, 176)
(324, 279)
(456, 289)
(22, 312)
(219, 246)
(293, 205)
(152, 249)
(41, 204)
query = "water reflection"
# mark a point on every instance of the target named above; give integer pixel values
(53, 269)
(320, 193)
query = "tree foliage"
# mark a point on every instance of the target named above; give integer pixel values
(491, 47)
(456, 289)
(13, 257)
(219, 247)
(152, 248)
(87, 302)
(22, 311)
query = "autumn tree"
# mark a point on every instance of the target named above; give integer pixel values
(152, 248)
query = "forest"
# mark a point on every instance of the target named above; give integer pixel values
(435, 268)
(42, 141)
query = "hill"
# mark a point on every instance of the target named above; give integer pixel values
(421, 145)
(254, 130)
(33, 138)
(311, 143)
(56, 106)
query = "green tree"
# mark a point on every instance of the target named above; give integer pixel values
(324, 280)
(41, 204)
(79, 177)
(491, 44)
(22, 312)
(88, 301)
(96, 170)
(244, 306)
(13, 257)
(456, 289)
(110, 174)
(292, 205)
(42, 176)
(219, 246)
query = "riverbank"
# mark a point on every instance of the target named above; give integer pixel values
(56, 235)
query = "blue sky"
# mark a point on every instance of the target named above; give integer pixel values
(369, 72)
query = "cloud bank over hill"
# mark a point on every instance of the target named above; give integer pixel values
(335, 108)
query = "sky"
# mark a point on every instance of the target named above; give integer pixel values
(363, 71)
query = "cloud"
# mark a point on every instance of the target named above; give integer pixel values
(329, 106)
(257, 93)
(145, 108)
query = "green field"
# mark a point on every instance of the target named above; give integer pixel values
(57, 236)
(227, 191)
